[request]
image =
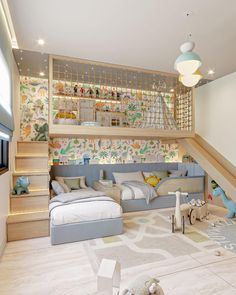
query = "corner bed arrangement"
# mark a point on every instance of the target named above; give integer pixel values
(142, 190)
(78, 212)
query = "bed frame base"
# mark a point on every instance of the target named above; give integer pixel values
(157, 203)
(75, 232)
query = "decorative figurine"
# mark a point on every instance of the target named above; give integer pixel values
(75, 90)
(97, 92)
(82, 91)
(21, 186)
(90, 92)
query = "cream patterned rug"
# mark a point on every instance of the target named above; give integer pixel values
(148, 238)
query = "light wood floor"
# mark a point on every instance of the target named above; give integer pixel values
(36, 267)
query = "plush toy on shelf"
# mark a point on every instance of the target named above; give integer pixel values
(21, 186)
(229, 204)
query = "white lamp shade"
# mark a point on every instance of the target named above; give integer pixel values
(187, 63)
(190, 80)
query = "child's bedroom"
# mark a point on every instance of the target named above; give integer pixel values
(117, 147)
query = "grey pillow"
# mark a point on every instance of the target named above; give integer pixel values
(177, 173)
(57, 188)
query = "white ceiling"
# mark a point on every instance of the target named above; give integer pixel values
(139, 33)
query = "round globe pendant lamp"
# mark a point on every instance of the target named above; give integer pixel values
(188, 62)
(190, 80)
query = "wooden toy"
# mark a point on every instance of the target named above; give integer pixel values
(182, 213)
(108, 279)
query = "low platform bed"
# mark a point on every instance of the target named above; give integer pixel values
(83, 214)
(194, 185)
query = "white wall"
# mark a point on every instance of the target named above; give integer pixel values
(4, 205)
(216, 115)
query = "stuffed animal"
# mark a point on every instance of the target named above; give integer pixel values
(21, 186)
(42, 132)
(229, 204)
(144, 285)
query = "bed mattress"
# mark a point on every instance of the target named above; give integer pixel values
(127, 194)
(97, 208)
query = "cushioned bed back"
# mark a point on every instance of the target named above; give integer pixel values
(92, 171)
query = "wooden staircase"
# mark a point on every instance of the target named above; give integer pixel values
(29, 217)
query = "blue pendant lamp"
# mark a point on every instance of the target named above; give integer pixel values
(187, 64)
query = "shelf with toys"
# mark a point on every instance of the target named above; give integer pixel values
(93, 98)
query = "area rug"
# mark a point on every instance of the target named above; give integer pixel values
(148, 238)
(224, 233)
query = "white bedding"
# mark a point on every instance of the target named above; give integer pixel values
(97, 208)
(126, 193)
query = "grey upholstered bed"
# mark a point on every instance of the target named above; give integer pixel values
(83, 214)
(86, 230)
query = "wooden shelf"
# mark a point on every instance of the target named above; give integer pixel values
(115, 132)
(71, 96)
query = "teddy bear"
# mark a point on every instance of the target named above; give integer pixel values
(144, 285)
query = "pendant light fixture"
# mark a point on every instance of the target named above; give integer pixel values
(188, 62)
(190, 80)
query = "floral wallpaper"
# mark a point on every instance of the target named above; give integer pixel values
(34, 127)
(106, 151)
(34, 109)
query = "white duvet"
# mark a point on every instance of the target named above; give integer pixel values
(126, 193)
(101, 207)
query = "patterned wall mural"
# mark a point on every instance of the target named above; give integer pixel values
(34, 126)
(74, 151)
(34, 109)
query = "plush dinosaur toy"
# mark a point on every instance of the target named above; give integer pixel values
(42, 132)
(21, 186)
(229, 204)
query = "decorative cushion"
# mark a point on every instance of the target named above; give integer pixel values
(82, 180)
(73, 184)
(128, 176)
(57, 188)
(177, 173)
(152, 180)
(159, 174)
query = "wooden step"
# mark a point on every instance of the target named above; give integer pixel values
(38, 179)
(30, 225)
(32, 147)
(28, 203)
(34, 193)
(27, 162)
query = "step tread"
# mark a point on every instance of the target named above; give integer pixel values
(31, 172)
(33, 193)
(40, 142)
(27, 216)
(32, 155)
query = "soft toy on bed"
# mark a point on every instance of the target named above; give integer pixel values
(152, 180)
(144, 285)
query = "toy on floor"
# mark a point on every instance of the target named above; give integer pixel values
(181, 212)
(144, 285)
(201, 208)
(229, 204)
(21, 186)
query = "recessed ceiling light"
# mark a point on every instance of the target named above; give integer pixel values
(21, 58)
(172, 90)
(41, 42)
(211, 72)
(41, 74)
